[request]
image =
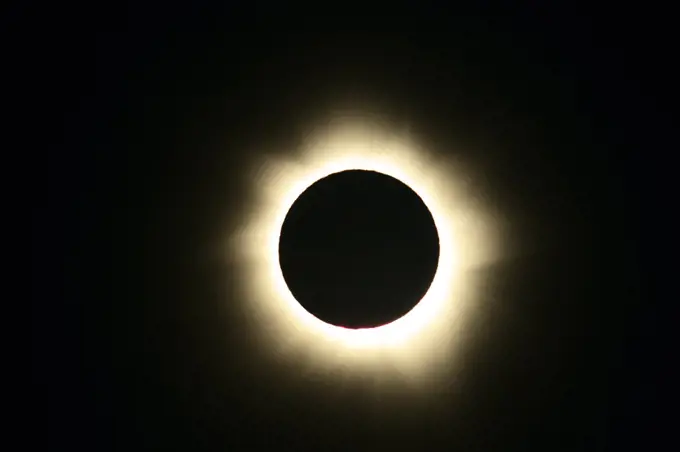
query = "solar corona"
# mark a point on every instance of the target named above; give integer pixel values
(421, 342)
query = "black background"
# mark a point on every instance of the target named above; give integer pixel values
(149, 111)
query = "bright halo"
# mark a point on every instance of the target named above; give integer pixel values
(412, 344)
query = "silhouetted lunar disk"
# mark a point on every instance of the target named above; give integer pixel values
(358, 249)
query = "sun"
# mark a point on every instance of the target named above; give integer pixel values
(416, 344)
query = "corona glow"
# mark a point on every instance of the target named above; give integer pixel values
(415, 345)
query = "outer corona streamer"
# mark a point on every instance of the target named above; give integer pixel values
(416, 345)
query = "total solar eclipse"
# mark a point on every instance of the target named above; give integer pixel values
(358, 249)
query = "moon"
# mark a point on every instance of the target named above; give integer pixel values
(358, 249)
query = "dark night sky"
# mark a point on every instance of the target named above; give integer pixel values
(153, 111)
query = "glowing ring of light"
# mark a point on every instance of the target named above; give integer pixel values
(407, 343)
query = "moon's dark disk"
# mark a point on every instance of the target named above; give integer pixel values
(358, 249)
